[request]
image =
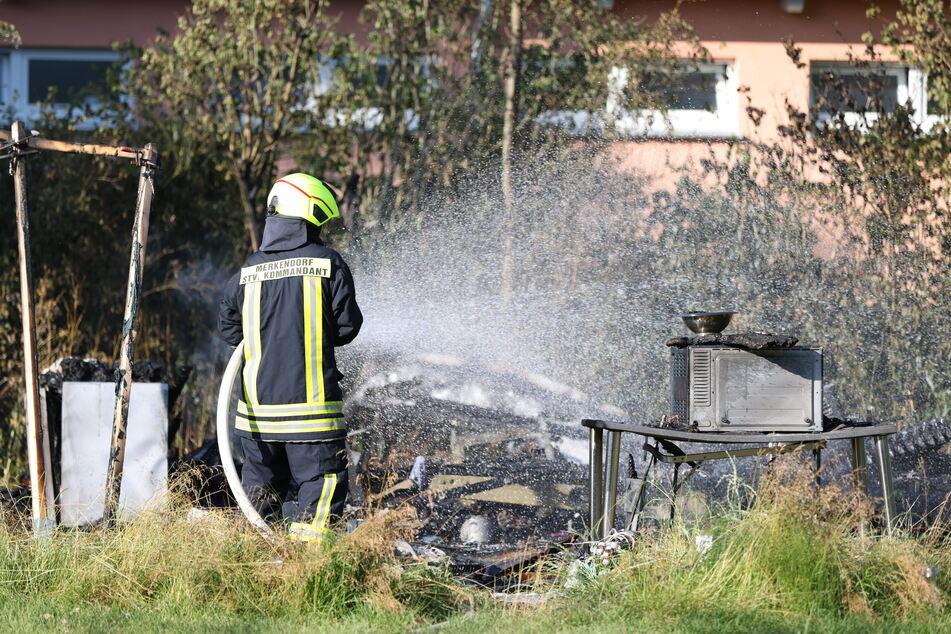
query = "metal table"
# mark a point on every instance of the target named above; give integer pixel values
(603, 468)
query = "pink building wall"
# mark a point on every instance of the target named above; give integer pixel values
(99, 23)
(88, 23)
(747, 34)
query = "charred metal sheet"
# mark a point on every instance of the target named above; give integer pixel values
(444, 482)
(745, 340)
(498, 566)
(519, 494)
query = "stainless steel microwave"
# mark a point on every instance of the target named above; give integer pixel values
(716, 388)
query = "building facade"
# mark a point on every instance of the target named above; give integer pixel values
(751, 68)
(67, 44)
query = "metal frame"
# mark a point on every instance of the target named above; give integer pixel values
(17, 145)
(603, 466)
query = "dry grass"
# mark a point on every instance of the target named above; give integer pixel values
(798, 555)
(171, 560)
(799, 558)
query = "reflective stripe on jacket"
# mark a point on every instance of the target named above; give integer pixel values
(292, 302)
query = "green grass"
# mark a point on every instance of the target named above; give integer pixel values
(164, 571)
(596, 618)
(51, 614)
(797, 561)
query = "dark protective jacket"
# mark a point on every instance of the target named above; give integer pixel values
(291, 303)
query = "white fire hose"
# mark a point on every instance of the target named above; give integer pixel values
(224, 443)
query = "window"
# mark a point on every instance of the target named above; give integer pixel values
(695, 90)
(4, 78)
(70, 80)
(374, 74)
(28, 75)
(861, 93)
(858, 93)
(926, 110)
(702, 103)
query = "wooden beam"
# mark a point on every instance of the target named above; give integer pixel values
(43, 514)
(93, 149)
(140, 232)
(85, 148)
(147, 160)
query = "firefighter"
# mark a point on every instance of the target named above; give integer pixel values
(291, 304)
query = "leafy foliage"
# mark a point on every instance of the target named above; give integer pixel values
(424, 96)
(9, 34)
(241, 85)
(864, 268)
(782, 243)
(840, 231)
(239, 77)
(81, 219)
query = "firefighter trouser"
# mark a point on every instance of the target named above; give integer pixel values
(320, 468)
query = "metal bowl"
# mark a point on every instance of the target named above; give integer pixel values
(703, 323)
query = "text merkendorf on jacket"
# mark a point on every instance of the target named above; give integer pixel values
(292, 302)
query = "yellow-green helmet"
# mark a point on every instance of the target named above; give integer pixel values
(302, 196)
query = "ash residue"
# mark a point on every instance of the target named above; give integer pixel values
(602, 268)
(745, 340)
(470, 444)
(94, 370)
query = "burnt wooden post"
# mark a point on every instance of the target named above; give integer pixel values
(140, 231)
(43, 513)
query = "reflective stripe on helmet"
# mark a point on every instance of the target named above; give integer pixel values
(317, 199)
(302, 196)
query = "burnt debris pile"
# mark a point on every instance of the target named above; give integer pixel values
(73, 369)
(744, 340)
(493, 460)
(91, 370)
(922, 465)
(94, 370)
(927, 437)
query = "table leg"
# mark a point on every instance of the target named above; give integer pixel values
(611, 467)
(885, 474)
(674, 487)
(860, 464)
(595, 481)
(634, 521)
